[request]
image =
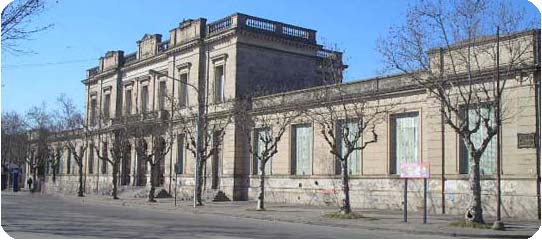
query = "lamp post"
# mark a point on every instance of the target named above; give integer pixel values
(498, 224)
(199, 139)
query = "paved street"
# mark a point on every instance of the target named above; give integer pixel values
(41, 216)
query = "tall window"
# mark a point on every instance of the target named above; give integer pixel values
(104, 162)
(302, 149)
(405, 141)
(162, 94)
(91, 159)
(144, 99)
(69, 161)
(488, 159)
(261, 136)
(58, 167)
(128, 101)
(181, 153)
(93, 106)
(183, 90)
(349, 129)
(107, 103)
(219, 84)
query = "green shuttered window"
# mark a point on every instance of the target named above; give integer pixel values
(302, 149)
(405, 139)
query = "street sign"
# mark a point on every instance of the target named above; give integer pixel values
(415, 170)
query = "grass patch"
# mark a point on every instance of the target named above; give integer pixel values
(337, 215)
(466, 224)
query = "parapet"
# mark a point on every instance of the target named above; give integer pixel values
(193, 29)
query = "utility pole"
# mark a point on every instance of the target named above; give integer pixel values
(498, 225)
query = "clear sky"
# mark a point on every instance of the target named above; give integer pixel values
(85, 30)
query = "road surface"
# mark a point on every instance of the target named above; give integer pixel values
(26, 215)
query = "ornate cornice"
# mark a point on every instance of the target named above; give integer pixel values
(182, 47)
(281, 40)
(145, 62)
(100, 76)
(184, 65)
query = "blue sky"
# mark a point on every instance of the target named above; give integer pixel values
(84, 30)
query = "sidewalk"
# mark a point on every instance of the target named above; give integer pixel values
(391, 220)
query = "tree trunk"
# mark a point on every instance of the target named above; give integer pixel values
(80, 192)
(474, 212)
(261, 193)
(199, 183)
(54, 174)
(35, 179)
(115, 173)
(345, 208)
(153, 182)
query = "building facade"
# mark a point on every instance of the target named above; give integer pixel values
(279, 66)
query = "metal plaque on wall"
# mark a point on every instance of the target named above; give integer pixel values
(526, 140)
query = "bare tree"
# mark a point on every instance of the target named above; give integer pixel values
(344, 117)
(16, 18)
(213, 122)
(204, 126)
(15, 138)
(40, 124)
(73, 132)
(464, 76)
(55, 155)
(115, 147)
(263, 131)
(157, 131)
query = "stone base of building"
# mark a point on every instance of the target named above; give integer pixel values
(518, 200)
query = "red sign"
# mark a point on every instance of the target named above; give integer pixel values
(415, 170)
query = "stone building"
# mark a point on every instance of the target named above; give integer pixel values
(279, 66)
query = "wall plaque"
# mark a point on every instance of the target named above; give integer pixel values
(526, 140)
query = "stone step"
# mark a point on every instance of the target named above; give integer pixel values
(221, 197)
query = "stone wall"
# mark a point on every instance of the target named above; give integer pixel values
(518, 195)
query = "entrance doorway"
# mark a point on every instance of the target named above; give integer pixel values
(141, 171)
(125, 169)
(215, 163)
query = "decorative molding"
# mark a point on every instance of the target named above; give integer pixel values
(219, 59)
(184, 66)
(128, 83)
(219, 56)
(221, 36)
(144, 62)
(163, 71)
(182, 47)
(107, 88)
(143, 79)
(281, 40)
